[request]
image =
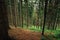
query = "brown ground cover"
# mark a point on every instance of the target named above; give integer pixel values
(24, 34)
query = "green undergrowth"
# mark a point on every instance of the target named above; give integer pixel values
(52, 33)
(33, 28)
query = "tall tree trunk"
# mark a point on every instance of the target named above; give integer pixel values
(9, 10)
(27, 17)
(3, 21)
(15, 12)
(21, 13)
(45, 11)
(38, 14)
(55, 13)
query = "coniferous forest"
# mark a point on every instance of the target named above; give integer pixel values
(29, 19)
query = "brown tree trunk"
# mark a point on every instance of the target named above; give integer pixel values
(21, 14)
(27, 17)
(15, 13)
(55, 13)
(9, 10)
(3, 21)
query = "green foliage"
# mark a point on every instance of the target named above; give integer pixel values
(33, 28)
(56, 33)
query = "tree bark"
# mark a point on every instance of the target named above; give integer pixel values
(45, 11)
(3, 21)
(55, 13)
(27, 17)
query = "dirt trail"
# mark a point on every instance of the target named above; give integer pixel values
(21, 34)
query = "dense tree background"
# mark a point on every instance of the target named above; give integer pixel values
(32, 13)
(44, 14)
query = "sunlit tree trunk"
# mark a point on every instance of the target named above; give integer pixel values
(15, 13)
(9, 10)
(38, 15)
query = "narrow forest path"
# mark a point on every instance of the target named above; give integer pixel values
(22, 34)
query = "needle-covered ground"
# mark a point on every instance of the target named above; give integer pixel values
(24, 34)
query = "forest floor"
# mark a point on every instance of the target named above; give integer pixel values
(24, 34)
